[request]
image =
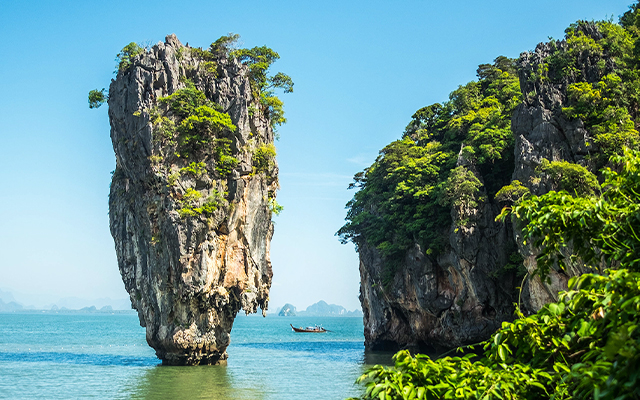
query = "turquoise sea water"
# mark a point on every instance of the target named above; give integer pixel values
(105, 356)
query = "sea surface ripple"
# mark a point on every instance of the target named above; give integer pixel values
(105, 356)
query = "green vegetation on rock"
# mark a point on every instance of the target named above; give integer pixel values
(597, 228)
(462, 188)
(125, 57)
(404, 197)
(97, 98)
(195, 169)
(586, 345)
(512, 193)
(274, 207)
(263, 158)
(225, 162)
(568, 176)
(200, 126)
(191, 206)
(608, 104)
(259, 59)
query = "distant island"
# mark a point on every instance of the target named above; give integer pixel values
(9, 304)
(287, 310)
(319, 309)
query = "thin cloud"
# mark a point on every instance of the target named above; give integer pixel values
(360, 160)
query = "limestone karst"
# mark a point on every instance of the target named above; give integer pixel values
(191, 197)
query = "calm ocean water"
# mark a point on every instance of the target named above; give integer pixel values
(105, 356)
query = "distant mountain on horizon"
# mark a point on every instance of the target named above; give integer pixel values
(9, 303)
(10, 306)
(6, 297)
(319, 309)
(287, 310)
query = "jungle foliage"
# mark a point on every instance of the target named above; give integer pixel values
(196, 125)
(259, 60)
(587, 344)
(406, 195)
(603, 81)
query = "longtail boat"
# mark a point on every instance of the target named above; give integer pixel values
(309, 329)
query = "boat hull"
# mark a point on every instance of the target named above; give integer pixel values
(308, 330)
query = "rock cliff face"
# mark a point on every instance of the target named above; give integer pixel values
(463, 295)
(189, 207)
(542, 131)
(460, 297)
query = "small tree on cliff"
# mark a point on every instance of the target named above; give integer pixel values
(259, 59)
(97, 98)
(125, 57)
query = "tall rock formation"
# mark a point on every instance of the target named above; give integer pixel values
(191, 197)
(460, 294)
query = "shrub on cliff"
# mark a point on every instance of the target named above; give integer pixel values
(263, 158)
(125, 57)
(97, 98)
(259, 59)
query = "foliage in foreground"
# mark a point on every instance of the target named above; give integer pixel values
(586, 345)
(601, 230)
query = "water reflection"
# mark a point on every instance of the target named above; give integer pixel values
(378, 358)
(203, 382)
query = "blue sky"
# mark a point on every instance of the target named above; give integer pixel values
(361, 69)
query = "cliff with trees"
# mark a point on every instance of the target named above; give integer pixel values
(437, 269)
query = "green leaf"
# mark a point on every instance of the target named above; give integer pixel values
(502, 352)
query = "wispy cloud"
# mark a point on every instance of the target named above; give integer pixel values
(315, 179)
(361, 160)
